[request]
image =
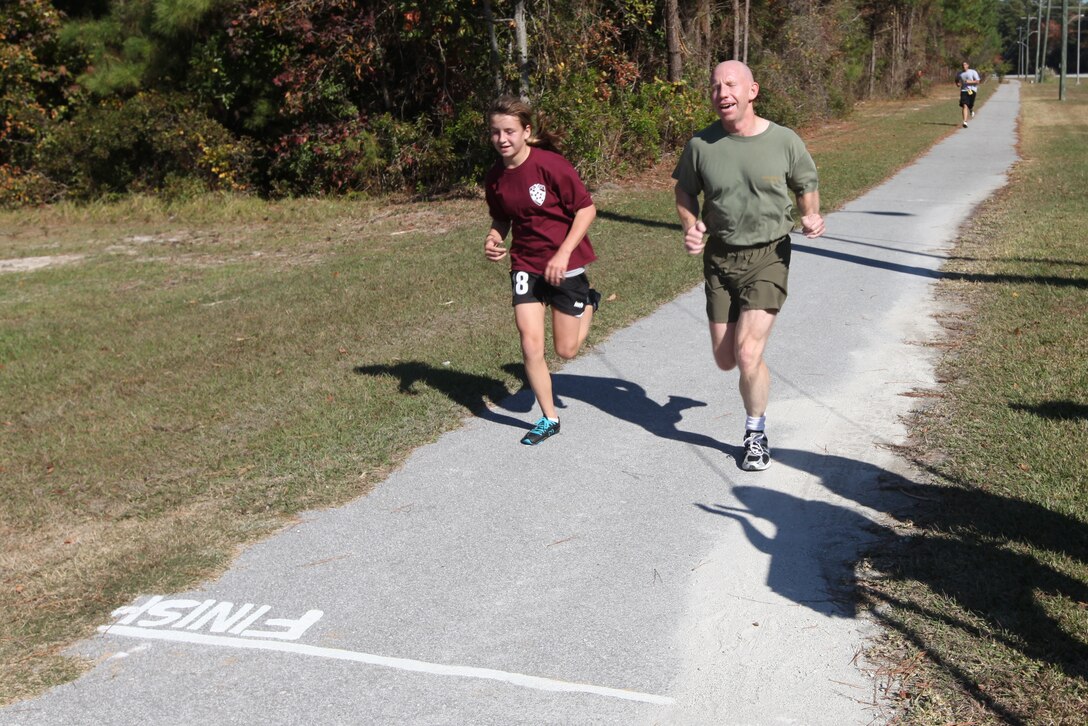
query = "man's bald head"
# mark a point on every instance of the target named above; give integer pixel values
(734, 67)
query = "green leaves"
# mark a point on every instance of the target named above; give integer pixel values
(176, 17)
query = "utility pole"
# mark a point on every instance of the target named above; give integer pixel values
(1020, 51)
(1039, 42)
(1028, 69)
(1065, 49)
(1046, 41)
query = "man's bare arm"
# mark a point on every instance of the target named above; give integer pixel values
(812, 224)
(687, 207)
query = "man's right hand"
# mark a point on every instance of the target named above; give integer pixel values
(693, 238)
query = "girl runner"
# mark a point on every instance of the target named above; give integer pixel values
(535, 192)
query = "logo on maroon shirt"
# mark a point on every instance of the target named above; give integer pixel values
(536, 193)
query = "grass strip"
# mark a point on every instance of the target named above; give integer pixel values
(986, 594)
(200, 371)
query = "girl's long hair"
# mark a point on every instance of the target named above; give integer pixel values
(514, 106)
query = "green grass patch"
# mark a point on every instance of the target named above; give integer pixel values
(195, 373)
(987, 594)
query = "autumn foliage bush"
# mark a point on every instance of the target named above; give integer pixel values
(148, 143)
(362, 97)
(35, 89)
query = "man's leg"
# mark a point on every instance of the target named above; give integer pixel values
(723, 338)
(740, 345)
(752, 331)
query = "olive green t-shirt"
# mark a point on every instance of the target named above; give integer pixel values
(748, 183)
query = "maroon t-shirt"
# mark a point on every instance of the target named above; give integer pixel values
(539, 199)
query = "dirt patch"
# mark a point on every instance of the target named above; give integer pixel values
(26, 264)
(429, 218)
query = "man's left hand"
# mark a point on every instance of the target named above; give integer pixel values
(812, 225)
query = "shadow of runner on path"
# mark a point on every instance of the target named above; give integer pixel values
(475, 392)
(969, 548)
(629, 402)
(619, 398)
(812, 550)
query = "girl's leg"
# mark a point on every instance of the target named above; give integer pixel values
(529, 318)
(570, 332)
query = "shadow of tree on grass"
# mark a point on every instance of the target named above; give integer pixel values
(1059, 410)
(992, 567)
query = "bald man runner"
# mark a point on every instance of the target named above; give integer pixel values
(750, 172)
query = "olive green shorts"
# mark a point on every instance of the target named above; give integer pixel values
(746, 278)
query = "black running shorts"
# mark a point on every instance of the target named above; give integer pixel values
(570, 297)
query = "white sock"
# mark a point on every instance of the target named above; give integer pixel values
(755, 423)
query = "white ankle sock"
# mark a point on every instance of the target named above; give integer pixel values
(755, 423)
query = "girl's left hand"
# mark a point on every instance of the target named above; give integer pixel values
(557, 269)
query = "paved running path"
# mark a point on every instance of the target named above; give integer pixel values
(625, 572)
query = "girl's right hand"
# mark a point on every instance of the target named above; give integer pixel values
(493, 247)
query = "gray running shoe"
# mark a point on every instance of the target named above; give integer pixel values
(757, 451)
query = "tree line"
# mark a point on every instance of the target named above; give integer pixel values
(318, 97)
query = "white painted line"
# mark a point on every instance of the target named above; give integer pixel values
(404, 664)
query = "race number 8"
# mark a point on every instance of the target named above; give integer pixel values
(521, 282)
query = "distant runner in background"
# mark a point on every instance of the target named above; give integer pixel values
(968, 81)
(535, 192)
